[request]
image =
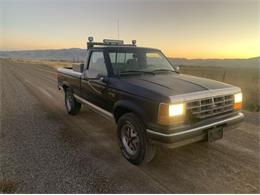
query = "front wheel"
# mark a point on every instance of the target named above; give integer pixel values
(133, 140)
(72, 106)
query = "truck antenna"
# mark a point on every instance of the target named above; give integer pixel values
(118, 29)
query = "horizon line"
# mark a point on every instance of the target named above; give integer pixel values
(201, 58)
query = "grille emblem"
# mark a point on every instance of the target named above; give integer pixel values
(213, 104)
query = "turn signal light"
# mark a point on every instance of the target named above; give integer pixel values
(237, 106)
(238, 101)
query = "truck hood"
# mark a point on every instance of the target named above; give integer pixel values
(173, 84)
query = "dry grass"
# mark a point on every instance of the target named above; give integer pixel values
(52, 63)
(248, 79)
(7, 186)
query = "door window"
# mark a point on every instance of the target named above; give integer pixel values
(97, 64)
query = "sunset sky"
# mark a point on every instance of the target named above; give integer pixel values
(180, 28)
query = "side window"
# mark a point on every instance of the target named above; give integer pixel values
(97, 63)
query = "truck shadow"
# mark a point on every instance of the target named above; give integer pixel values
(204, 168)
(195, 168)
(199, 167)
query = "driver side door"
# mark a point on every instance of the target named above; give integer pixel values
(93, 85)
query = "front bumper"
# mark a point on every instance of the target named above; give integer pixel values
(190, 135)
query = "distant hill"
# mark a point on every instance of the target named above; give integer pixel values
(78, 55)
(72, 54)
(251, 62)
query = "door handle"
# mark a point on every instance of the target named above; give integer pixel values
(97, 86)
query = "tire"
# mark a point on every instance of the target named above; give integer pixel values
(72, 106)
(133, 140)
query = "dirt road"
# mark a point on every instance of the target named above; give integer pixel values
(44, 150)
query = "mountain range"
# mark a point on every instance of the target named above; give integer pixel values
(78, 55)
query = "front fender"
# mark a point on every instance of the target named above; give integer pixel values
(129, 105)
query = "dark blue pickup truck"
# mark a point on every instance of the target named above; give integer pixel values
(151, 102)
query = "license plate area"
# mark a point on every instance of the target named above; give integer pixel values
(215, 134)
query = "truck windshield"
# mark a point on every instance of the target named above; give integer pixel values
(139, 61)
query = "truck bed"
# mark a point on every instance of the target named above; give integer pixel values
(70, 77)
(70, 72)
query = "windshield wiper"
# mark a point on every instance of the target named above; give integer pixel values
(136, 72)
(163, 70)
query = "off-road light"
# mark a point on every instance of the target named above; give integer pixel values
(90, 39)
(176, 109)
(238, 98)
(171, 113)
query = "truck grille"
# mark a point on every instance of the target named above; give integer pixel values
(211, 106)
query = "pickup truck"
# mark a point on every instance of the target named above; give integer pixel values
(149, 100)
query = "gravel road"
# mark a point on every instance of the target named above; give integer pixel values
(44, 150)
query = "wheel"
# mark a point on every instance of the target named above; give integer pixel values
(133, 140)
(72, 106)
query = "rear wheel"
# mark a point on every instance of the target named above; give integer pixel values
(133, 140)
(72, 106)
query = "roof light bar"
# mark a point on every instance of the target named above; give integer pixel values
(113, 42)
(108, 42)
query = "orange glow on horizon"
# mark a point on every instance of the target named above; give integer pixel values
(238, 49)
(171, 54)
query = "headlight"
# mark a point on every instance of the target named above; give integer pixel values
(176, 110)
(171, 113)
(238, 100)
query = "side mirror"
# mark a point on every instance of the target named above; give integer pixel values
(104, 79)
(93, 75)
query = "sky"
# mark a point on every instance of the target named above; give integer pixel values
(180, 28)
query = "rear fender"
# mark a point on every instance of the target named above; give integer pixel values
(65, 85)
